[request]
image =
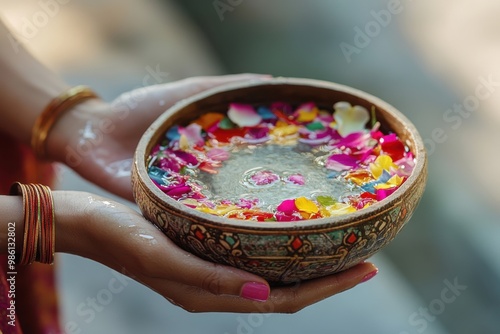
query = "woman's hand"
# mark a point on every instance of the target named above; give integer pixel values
(120, 238)
(98, 140)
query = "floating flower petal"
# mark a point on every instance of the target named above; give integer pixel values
(287, 206)
(226, 136)
(218, 154)
(392, 146)
(173, 133)
(265, 177)
(340, 162)
(157, 174)
(192, 133)
(283, 107)
(266, 113)
(326, 200)
(297, 179)
(383, 162)
(338, 209)
(285, 130)
(306, 112)
(243, 115)
(206, 121)
(350, 119)
(384, 193)
(306, 205)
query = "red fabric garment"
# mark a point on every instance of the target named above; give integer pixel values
(35, 294)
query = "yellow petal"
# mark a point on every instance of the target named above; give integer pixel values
(324, 212)
(338, 209)
(359, 177)
(306, 205)
(219, 210)
(376, 170)
(383, 162)
(307, 115)
(183, 142)
(383, 186)
(286, 130)
(394, 181)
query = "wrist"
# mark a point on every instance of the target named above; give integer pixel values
(71, 217)
(69, 139)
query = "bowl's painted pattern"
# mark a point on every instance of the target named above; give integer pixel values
(281, 252)
(283, 256)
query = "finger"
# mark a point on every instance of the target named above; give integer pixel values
(181, 266)
(158, 98)
(158, 257)
(288, 299)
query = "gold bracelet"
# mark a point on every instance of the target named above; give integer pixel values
(52, 112)
(39, 219)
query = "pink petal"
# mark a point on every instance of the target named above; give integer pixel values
(193, 134)
(297, 179)
(383, 193)
(285, 217)
(243, 115)
(264, 177)
(287, 206)
(247, 203)
(218, 154)
(341, 162)
(363, 154)
(355, 140)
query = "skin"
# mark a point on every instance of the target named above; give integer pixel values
(111, 233)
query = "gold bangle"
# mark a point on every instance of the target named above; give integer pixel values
(52, 112)
(39, 219)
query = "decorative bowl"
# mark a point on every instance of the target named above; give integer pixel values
(281, 252)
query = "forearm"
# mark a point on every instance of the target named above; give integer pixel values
(26, 87)
(70, 221)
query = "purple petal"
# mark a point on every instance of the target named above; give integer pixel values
(186, 157)
(258, 132)
(355, 139)
(341, 162)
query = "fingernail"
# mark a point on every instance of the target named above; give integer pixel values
(369, 276)
(255, 291)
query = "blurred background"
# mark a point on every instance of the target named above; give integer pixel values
(436, 61)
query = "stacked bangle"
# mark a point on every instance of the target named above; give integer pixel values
(52, 112)
(39, 232)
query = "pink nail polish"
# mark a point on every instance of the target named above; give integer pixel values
(255, 291)
(369, 276)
